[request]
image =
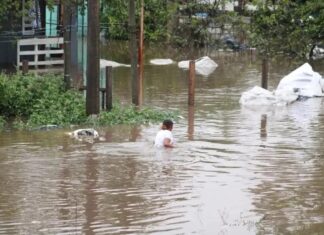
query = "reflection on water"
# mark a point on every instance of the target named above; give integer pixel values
(235, 170)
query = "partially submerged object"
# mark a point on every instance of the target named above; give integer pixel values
(317, 53)
(304, 81)
(300, 83)
(47, 127)
(161, 61)
(105, 63)
(88, 133)
(203, 66)
(258, 96)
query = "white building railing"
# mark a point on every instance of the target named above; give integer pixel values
(40, 51)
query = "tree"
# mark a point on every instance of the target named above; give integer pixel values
(114, 19)
(290, 27)
(10, 10)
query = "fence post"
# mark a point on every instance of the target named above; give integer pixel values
(265, 71)
(25, 67)
(191, 121)
(109, 105)
(192, 76)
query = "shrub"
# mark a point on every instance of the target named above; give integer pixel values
(2, 123)
(132, 115)
(36, 101)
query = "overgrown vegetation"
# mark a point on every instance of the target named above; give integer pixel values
(32, 101)
(40, 100)
(2, 122)
(114, 19)
(288, 27)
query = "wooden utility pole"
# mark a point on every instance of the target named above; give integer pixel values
(140, 56)
(133, 52)
(192, 78)
(265, 71)
(67, 43)
(93, 72)
(109, 104)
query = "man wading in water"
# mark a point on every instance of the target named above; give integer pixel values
(164, 137)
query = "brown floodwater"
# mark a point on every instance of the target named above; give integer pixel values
(234, 170)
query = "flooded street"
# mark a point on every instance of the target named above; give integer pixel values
(234, 170)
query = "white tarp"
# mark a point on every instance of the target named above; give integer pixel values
(161, 61)
(257, 96)
(204, 65)
(104, 63)
(304, 81)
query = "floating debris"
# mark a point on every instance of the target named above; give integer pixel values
(204, 65)
(88, 135)
(300, 84)
(161, 61)
(105, 63)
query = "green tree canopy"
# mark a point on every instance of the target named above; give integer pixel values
(288, 27)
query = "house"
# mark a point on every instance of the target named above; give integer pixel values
(36, 35)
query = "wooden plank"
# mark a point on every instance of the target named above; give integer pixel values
(36, 52)
(60, 51)
(48, 62)
(40, 41)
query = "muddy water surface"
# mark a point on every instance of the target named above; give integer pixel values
(234, 170)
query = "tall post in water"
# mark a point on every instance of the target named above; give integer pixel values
(133, 52)
(265, 72)
(67, 43)
(109, 105)
(92, 99)
(191, 122)
(140, 56)
(192, 77)
(191, 98)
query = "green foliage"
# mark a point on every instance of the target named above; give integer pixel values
(132, 115)
(288, 27)
(40, 100)
(114, 18)
(2, 122)
(195, 19)
(36, 101)
(59, 108)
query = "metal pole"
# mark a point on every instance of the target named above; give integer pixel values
(133, 52)
(109, 105)
(192, 75)
(92, 98)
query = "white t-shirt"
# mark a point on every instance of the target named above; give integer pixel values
(160, 136)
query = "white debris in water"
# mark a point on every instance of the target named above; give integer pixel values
(81, 134)
(302, 82)
(204, 65)
(161, 61)
(305, 80)
(105, 63)
(257, 96)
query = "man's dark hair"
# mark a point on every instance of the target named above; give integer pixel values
(167, 124)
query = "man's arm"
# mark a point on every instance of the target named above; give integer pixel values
(167, 143)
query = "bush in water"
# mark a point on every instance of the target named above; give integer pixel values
(132, 115)
(41, 100)
(2, 123)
